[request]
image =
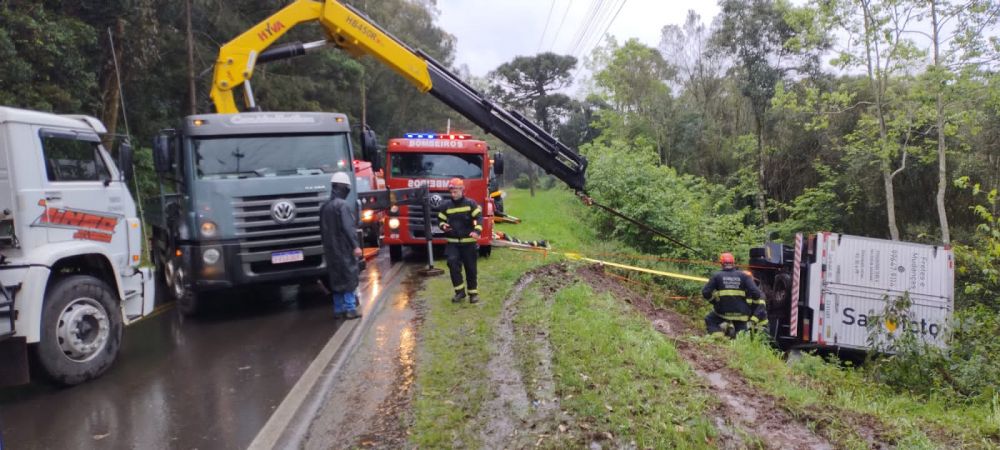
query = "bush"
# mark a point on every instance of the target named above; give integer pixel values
(522, 181)
(627, 176)
(967, 368)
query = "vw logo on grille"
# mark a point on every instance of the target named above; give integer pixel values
(283, 211)
(435, 200)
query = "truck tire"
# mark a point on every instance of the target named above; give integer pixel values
(374, 238)
(395, 253)
(485, 250)
(188, 302)
(81, 330)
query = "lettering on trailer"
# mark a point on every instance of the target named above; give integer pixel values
(90, 225)
(270, 29)
(922, 327)
(431, 183)
(436, 143)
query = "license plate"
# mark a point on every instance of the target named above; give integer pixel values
(286, 257)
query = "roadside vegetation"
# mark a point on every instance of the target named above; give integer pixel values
(618, 380)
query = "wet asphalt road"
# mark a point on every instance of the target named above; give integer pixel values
(210, 382)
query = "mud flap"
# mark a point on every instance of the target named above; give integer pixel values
(14, 357)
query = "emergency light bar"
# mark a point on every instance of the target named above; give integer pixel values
(436, 136)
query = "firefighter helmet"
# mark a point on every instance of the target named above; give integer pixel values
(727, 260)
(456, 183)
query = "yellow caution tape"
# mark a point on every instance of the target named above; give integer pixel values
(580, 257)
(642, 269)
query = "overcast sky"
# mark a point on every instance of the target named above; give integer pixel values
(492, 32)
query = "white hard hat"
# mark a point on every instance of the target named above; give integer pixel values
(340, 178)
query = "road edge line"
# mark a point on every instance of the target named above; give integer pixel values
(308, 394)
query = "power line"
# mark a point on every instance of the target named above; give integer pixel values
(593, 38)
(606, 28)
(587, 18)
(561, 22)
(595, 20)
(541, 38)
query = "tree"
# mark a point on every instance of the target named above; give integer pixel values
(530, 83)
(884, 51)
(757, 34)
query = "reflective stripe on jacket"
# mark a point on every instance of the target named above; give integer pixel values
(462, 216)
(730, 289)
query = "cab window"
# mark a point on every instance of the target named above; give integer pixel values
(70, 158)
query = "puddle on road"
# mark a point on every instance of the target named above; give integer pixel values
(373, 390)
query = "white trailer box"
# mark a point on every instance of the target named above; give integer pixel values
(853, 277)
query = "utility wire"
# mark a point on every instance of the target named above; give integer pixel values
(561, 22)
(599, 19)
(588, 26)
(548, 18)
(583, 25)
(613, 18)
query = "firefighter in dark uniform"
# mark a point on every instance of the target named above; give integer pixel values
(459, 220)
(735, 298)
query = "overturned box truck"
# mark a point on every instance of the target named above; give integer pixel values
(824, 289)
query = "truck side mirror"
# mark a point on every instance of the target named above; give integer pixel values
(161, 153)
(498, 163)
(126, 158)
(369, 148)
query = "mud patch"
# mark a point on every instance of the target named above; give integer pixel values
(745, 417)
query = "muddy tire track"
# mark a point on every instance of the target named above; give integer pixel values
(516, 415)
(745, 416)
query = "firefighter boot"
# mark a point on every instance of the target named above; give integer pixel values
(459, 296)
(473, 297)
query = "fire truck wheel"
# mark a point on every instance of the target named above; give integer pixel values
(395, 253)
(81, 330)
(485, 250)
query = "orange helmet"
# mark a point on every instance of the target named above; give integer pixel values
(727, 259)
(456, 182)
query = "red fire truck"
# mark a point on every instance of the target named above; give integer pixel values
(431, 159)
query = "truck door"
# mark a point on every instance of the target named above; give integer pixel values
(83, 198)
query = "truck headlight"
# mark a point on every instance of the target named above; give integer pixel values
(208, 228)
(210, 256)
(367, 215)
(393, 223)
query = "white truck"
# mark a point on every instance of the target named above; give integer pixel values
(824, 288)
(70, 248)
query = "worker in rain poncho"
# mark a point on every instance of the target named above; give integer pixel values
(340, 245)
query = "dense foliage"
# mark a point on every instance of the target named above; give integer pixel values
(870, 117)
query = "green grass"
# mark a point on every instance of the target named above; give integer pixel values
(452, 379)
(605, 355)
(615, 374)
(824, 392)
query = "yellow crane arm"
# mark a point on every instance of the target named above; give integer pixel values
(344, 27)
(352, 31)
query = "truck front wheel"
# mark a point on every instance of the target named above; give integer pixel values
(81, 330)
(395, 253)
(187, 300)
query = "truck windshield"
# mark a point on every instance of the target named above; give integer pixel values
(270, 155)
(436, 165)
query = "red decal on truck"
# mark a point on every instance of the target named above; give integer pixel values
(91, 225)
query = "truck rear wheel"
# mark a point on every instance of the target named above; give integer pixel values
(395, 253)
(81, 330)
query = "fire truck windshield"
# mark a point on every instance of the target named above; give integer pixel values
(436, 165)
(270, 155)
